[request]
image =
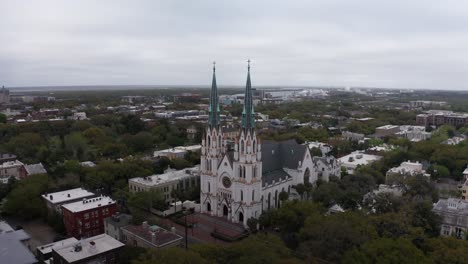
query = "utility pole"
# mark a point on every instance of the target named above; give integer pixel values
(186, 234)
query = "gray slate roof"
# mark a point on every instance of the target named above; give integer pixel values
(279, 155)
(283, 154)
(13, 251)
(453, 211)
(32, 169)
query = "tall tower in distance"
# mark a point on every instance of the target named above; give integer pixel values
(4, 96)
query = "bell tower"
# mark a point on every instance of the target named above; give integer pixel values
(212, 151)
(247, 164)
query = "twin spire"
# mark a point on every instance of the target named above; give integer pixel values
(248, 114)
(213, 118)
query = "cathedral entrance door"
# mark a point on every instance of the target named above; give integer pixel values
(225, 211)
(241, 217)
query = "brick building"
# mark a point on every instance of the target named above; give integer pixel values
(86, 218)
(438, 118)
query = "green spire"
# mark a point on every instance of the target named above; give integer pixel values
(213, 119)
(248, 114)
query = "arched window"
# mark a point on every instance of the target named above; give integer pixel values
(254, 171)
(209, 187)
(209, 141)
(243, 172)
(254, 146)
(242, 195)
(253, 195)
(240, 171)
(242, 145)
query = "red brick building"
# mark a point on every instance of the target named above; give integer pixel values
(86, 218)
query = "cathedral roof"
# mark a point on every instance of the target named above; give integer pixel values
(282, 154)
(276, 176)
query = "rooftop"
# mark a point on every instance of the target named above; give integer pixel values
(119, 220)
(387, 127)
(168, 176)
(358, 158)
(5, 227)
(68, 195)
(13, 251)
(45, 249)
(88, 247)
(32, 169)
(88, 204)
(10, 164)
(452, 205)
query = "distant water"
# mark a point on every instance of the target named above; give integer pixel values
(137, 87)
(98, 88)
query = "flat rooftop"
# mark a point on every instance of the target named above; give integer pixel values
(102, 243)
(168, 176)
(68, 195)
(358, 158)
(45, 249)
(88, 204)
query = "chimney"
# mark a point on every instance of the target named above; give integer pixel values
(92, 248)
(153, 238)
(51, 197)
(145, 224)
(68, 195)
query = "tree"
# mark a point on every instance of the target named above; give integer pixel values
(171, 255)
(3, 118)
(25, 200)
(132, 124)
(447, 250)
(252, 224)
(283, 196)
(76, 145)
(386, 250)
(329, 237)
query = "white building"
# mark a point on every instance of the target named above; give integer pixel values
(414, 133)
(177, 152)
(79, 116)
(165, 183)
(55, 200)
(357, 158)
(240, 180)
(408, 168)
(324, 147)
(454, 213)
(326, 166)
(12, 169)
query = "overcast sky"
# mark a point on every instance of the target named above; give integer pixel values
(394, 44)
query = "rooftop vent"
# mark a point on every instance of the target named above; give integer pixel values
(51, 197)
(77, 247)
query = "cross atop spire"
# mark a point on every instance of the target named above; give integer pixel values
(213, 118)
(248, 114)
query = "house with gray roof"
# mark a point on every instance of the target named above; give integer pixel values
(14, 248)
(454, 214)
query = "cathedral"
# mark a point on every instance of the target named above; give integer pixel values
(240, 179)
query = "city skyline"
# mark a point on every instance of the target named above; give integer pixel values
(417, 45)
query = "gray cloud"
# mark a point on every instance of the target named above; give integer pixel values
(400, 44)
